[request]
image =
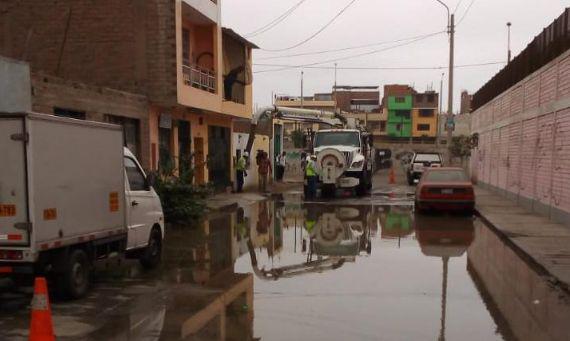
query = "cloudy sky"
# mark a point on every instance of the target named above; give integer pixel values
(481, 37)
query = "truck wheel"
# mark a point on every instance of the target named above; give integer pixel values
(77, 275)
(328, 191)
(410, 180)
(153, 252)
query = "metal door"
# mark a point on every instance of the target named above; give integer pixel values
(14, 216)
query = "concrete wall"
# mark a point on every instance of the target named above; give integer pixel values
(15, 86)
(524, 141)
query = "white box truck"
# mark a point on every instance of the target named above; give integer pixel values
(70, 196)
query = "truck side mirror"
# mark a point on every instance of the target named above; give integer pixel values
(150, 181)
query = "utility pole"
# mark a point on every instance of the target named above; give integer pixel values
(438, 130)
(302, 73)
(508, 42)
(450, 84)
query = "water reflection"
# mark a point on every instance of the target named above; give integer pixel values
(444, 239)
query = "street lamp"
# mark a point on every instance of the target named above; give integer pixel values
(451, 31)
(508, 42)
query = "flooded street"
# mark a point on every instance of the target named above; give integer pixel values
(285, 269)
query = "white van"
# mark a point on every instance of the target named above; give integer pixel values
(72, 196)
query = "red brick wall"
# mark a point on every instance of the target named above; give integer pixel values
(125, 45)
(524, 144)
(343, 98)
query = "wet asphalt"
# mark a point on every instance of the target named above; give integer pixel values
(342, 269)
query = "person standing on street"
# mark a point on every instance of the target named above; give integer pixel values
(311, 176)
(240, 171)
(281, 164)
(264, 170)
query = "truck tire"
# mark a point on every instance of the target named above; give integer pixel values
(328, 191)
(77, 274)
(410, 180)
(153, 252)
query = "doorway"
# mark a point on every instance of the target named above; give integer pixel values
(219, 156)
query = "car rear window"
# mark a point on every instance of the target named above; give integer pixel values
(427, 157)
(446, 175)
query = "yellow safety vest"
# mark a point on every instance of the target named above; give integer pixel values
(241, 164)
(310, 169)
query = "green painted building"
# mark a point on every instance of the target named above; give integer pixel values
(399, 123)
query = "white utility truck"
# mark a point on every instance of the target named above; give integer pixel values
(72, 196)
(344, 160)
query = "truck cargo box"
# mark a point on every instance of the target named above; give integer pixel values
(61, 182)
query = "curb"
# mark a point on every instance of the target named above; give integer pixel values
(540, 269)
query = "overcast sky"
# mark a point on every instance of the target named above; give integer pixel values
(481, 37)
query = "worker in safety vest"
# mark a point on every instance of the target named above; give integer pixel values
(240, 171)
(311, 178)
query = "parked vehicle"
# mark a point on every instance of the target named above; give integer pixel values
(445, 188)
(71, 196)
(419, 162)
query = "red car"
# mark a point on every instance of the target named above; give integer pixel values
(445, 188)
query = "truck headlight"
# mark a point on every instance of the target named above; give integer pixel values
(357, 164)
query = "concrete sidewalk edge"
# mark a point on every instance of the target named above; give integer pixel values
(525, 256)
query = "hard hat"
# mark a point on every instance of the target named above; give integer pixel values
(313, 157)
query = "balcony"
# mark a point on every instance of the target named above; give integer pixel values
(199, 78)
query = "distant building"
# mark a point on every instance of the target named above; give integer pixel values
(409, 113)
(466, 100)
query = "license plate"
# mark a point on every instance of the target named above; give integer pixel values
(447, 191)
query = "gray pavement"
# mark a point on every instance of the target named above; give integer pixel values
(542, 242)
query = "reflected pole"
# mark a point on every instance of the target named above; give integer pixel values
(443, 298)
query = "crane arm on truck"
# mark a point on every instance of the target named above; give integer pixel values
(292, 114)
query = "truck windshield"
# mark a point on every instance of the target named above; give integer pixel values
(337, 138)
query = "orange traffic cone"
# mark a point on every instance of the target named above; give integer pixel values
(41, 327)
(392, 176)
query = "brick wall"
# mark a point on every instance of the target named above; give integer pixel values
(49, 92)
(122, 44)
(524, 141)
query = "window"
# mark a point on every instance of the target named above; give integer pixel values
(131, 131)
(382, 125)
(400, 100)
(430, 98)
(423, 127)
(399, 127)
(446, 175)
(137, 181)
(404, 114)
(185, 47)
(426, 112)
(79, 115)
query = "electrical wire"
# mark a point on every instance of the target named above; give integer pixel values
(311, 37)
(465, 13)
(356, 55)
(275, 21)
(364, 68)
(349, 48)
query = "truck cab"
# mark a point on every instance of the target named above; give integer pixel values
(344, 160)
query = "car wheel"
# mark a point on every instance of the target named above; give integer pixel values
(153, 251)
(77, 274)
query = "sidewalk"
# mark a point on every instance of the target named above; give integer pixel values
(545, 245)
(227, 201)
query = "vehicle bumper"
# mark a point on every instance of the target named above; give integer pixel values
(8, 269)
(445, 205)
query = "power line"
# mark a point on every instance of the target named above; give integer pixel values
(364, 68)
(360, 54)
(465, 13)
(275, 21)
(349, 48)
(330, 22)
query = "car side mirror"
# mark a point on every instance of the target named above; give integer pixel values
(150, 181)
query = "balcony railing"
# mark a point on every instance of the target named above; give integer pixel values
(200, 78)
